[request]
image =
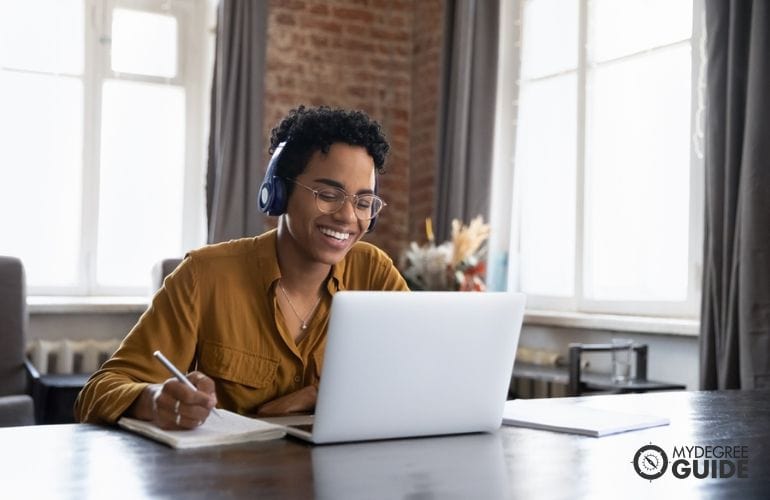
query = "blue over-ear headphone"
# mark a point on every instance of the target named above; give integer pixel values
(272, 192)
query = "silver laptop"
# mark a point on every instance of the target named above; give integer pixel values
(403, 364)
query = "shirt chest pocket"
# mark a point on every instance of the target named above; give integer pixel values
(240, 367)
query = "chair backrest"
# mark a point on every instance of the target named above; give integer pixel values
(13, 326)
(162, 269)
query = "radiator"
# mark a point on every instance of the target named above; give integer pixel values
(529, 388)
(70, 356)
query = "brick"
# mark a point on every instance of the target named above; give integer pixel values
(401, 114)
(399, 35)
(287, 5)
(354, 14)
(285, 19)
(321, 24)
(391, 49)
(388, 64)
(397, 21)
(319, 9)
(319, 41)
(351, 44)
(394, 5)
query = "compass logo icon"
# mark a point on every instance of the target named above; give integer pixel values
(650, 461)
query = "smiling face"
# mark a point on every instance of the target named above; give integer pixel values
(322, 238)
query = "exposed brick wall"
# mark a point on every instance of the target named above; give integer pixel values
(380, 56)
(426, 67)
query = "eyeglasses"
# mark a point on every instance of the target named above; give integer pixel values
(330, 200)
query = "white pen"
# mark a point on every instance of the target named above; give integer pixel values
(175, 371)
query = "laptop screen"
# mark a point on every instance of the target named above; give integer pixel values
(403, 364)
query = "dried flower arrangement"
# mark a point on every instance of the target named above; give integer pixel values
(459, 264)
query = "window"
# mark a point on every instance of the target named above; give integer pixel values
(101, 139)
(607, 195)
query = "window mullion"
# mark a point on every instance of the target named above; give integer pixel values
(193, 68)
(697, 172)
(580, 153)
(97, 41)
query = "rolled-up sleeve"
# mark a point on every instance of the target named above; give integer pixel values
(170, 325)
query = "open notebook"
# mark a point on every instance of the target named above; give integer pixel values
(229, 429)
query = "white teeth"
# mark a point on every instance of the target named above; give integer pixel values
(334, 234)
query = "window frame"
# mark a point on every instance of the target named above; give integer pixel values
(505, 209)
(193, 74)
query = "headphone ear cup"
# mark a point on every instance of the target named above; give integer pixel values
(272, 192)
(265, 195)
(272, 196)
(279, 196)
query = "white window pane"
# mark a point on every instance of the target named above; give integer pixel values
(41, 133)
(142, 180)
(144, 43)
(637, 178)
(545, 167)
(42, 35)
(618, 28)
(549, 37)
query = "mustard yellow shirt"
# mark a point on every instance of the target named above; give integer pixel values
(217, 313)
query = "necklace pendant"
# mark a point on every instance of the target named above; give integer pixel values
(303, 322)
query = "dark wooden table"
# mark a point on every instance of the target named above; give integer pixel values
(87, 461)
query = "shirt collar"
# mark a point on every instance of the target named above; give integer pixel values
(336, 283)
(270, 272)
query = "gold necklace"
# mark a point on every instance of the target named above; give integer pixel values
(294, 310)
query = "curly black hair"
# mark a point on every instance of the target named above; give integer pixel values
(307, 130)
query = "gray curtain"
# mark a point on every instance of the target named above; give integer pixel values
(235, 161)
(467, 114)
(735, 315)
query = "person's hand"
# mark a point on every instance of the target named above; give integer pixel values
(301, 401)
(173, 406)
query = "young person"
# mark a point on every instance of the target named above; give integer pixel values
(248, 317)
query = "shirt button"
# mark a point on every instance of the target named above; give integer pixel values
(297, 379)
